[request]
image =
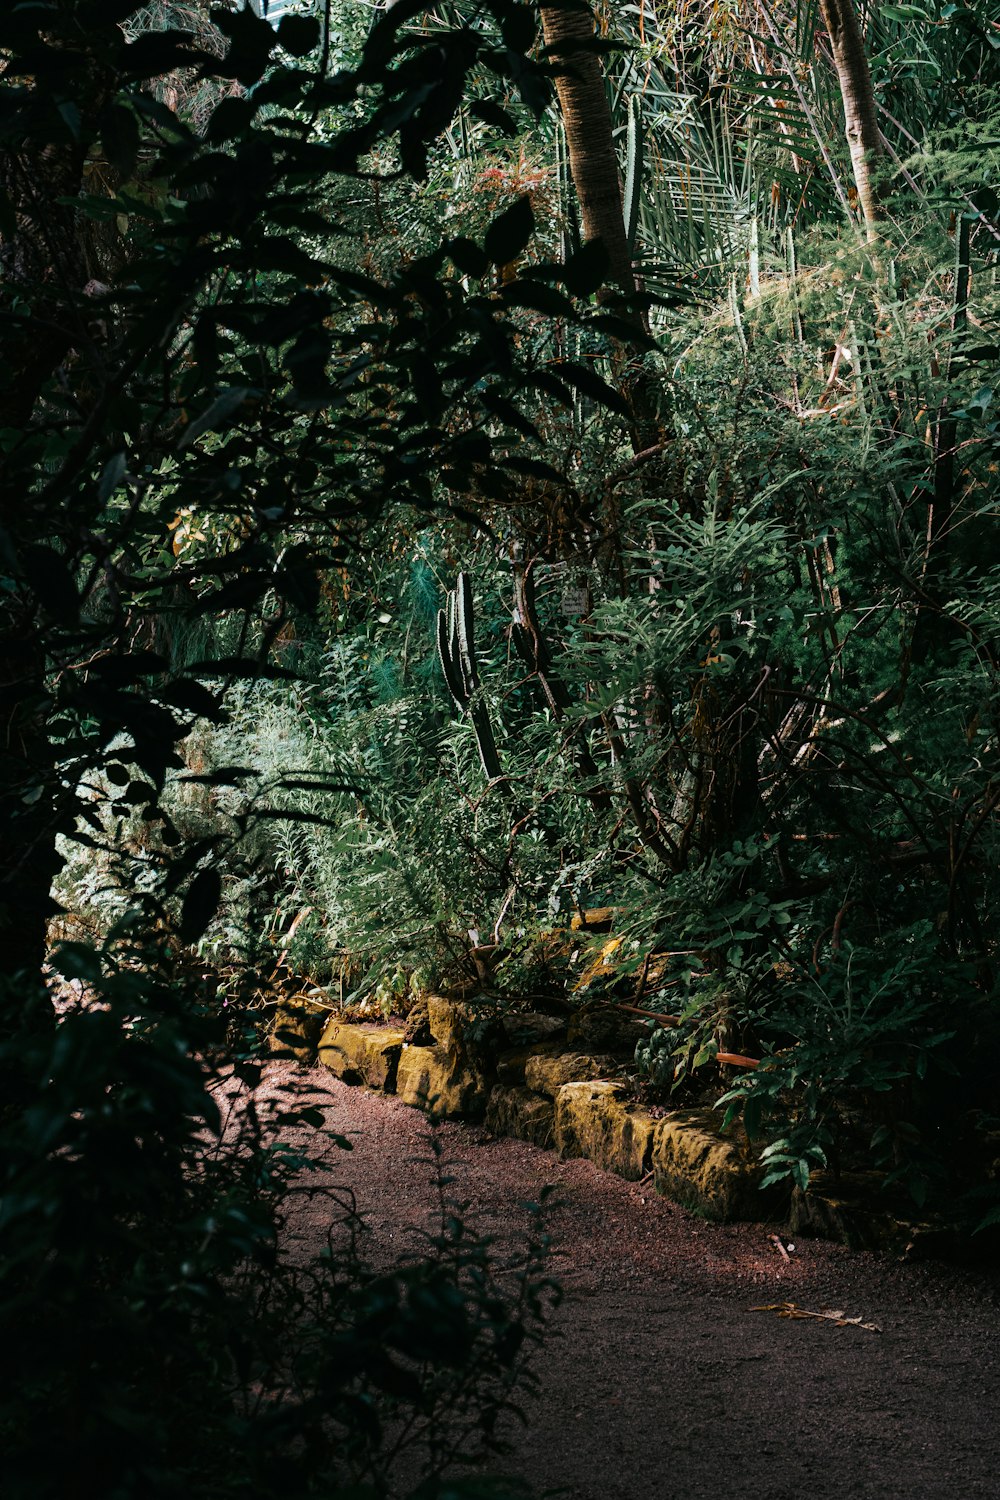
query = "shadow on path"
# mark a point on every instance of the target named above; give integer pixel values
(659, 1381)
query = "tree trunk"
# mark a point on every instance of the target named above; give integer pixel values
(586, 117)
(593, 162)
(41, 263)
(863, 138)
(28, 857)
(48, 256)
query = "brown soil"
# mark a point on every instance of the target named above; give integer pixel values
(659, 1380)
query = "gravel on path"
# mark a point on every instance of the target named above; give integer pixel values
(659, 1380)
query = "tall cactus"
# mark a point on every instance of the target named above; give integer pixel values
(457, 654)
(634, 166)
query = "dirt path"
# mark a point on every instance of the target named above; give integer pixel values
(659, 1381)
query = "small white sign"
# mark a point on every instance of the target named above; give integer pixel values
(574, 602)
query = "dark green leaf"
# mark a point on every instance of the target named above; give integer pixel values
(123, 667)
(200, 905)
(589, 383)
(519, 26)
(587, 269)
(52, 582)
(625, 331)
(8, 218)
(158, 52)
(216, 414)
(111, 477)
(468, 257)
(251, 41)
(510, 232)
(493, 114)
(120, 139)
(539, 298)
(299, 35)
(241, 667)
(221, 776)
(190, 695)
(753, 1112)
(230, 119)
(505, 411)
(534, 468)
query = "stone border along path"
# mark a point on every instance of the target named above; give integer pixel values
(556, 1082)
(550, 1089)
(660, 1379)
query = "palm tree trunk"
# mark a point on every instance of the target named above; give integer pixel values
(863, 138)
(586, 116)
(593, 162)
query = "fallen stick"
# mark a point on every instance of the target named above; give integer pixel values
(835, 1316)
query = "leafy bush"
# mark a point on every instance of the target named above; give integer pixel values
(161, 1319)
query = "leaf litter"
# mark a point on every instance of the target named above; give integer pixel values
(829, 1315)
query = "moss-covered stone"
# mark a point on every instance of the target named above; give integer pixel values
(298, 1026)
(511, 1062)
(605, 1028)
(417, 1031)
(464, 1027)
(433, 1079)
(521, 1113)
(716, 1175)
(593, 1120)
(362, 1054)
(596, 919)
(548, 1074)
(525, 1028)
(853, 1211)
(452, 1023)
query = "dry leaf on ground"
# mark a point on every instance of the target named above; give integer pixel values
(829, 1315)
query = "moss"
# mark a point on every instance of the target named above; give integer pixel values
(435, 1080)
(712, 1174)
(593, 1120)
(521, 1113)
(362, 1054)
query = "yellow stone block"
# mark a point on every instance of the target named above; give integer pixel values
(696, 1166)
(433, 1079)
(362, 1054)
(547, 1075)
(593, 1120)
